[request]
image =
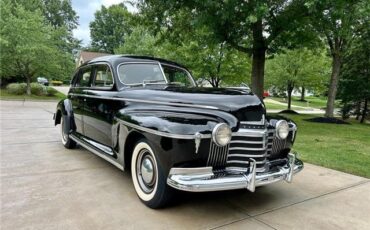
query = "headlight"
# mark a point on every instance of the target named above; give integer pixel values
(221, 134)
(282, 129)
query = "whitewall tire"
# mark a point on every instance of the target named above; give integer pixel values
(147, 176)
(67, 142)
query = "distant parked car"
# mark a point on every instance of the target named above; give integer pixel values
(266, 93)
(42, 81)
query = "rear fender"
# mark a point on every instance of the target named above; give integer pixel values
(65, 112)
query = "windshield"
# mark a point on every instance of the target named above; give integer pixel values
(151, 73)
(140, 73)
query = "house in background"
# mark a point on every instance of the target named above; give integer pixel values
(84, 56)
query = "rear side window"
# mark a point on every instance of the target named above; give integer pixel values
(84, 77)
(103, 76)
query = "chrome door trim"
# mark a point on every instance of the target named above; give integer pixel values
(96, 152)
(146, 101)
(164, 134)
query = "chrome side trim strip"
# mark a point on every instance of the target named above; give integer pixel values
(88, 147)
(146, 101)
(164, 134)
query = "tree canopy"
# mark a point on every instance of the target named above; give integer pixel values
(214, 62)
(337, 22)
(110, 28)
(251, 27)
(297, 69)
(27, 45)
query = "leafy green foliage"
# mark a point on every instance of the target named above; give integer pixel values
(354, 90)
(337, 22)
(252, 27)
(27, 45)
(17, 88)
(110, 27)
(297, 68)
(37, 89)
(214, 62)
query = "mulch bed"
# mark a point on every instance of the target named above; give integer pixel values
(329, 120)
(287, 111)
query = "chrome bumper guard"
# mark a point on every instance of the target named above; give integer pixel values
(204, 180)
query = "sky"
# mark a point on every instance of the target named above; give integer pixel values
(85, 9)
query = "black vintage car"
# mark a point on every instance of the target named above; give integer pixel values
(147, 115)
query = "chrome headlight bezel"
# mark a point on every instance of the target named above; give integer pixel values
(282, 129)
(217, 135)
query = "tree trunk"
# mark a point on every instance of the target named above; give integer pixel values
(358, 110)
(258, 59)
(364, 112)
(335, 68)
(303, 93)
(28, 85)
(290, 90)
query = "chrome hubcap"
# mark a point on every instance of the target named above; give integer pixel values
(146, 171)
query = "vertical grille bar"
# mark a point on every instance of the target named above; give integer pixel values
(218, 155)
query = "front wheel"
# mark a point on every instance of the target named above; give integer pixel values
(148, 178)
(66, 140)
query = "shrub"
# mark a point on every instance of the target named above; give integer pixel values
(38, 89)
(56, 83)
(17, 88)
(50, 91)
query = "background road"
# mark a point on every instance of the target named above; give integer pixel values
(45, 186)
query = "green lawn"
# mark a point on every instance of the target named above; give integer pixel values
(342, 147)
(274, 106)
(5, 95)
(270, 105)
(314, 102)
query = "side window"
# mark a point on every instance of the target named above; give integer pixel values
(103, 76)
(177, 76)
(84, 77)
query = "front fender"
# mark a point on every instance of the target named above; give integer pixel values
(170, 122)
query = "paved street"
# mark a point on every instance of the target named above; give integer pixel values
(45, 186)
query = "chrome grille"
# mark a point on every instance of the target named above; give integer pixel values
(217, 155)
(245, 145)
(275, 145)
(250, 142)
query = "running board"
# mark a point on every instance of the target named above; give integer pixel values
(100, 153)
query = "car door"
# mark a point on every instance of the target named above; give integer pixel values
(99, 111)
(76, 95)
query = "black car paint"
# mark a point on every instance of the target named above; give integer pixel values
(102, 115)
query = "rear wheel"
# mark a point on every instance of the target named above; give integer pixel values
(148, 178)
(66, 140)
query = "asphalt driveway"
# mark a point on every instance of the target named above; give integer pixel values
(44, 186)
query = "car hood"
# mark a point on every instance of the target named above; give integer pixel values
(241, 103)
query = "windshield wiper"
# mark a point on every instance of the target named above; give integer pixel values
(152, 82)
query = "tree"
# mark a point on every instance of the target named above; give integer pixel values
(354, 86)
(252, 27)
(110, 27)
(26, 44)
(215, 62)
(295, 69)
(335, 21)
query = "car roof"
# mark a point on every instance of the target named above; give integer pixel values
(127, 58)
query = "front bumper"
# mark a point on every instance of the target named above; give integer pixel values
(203, 179)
